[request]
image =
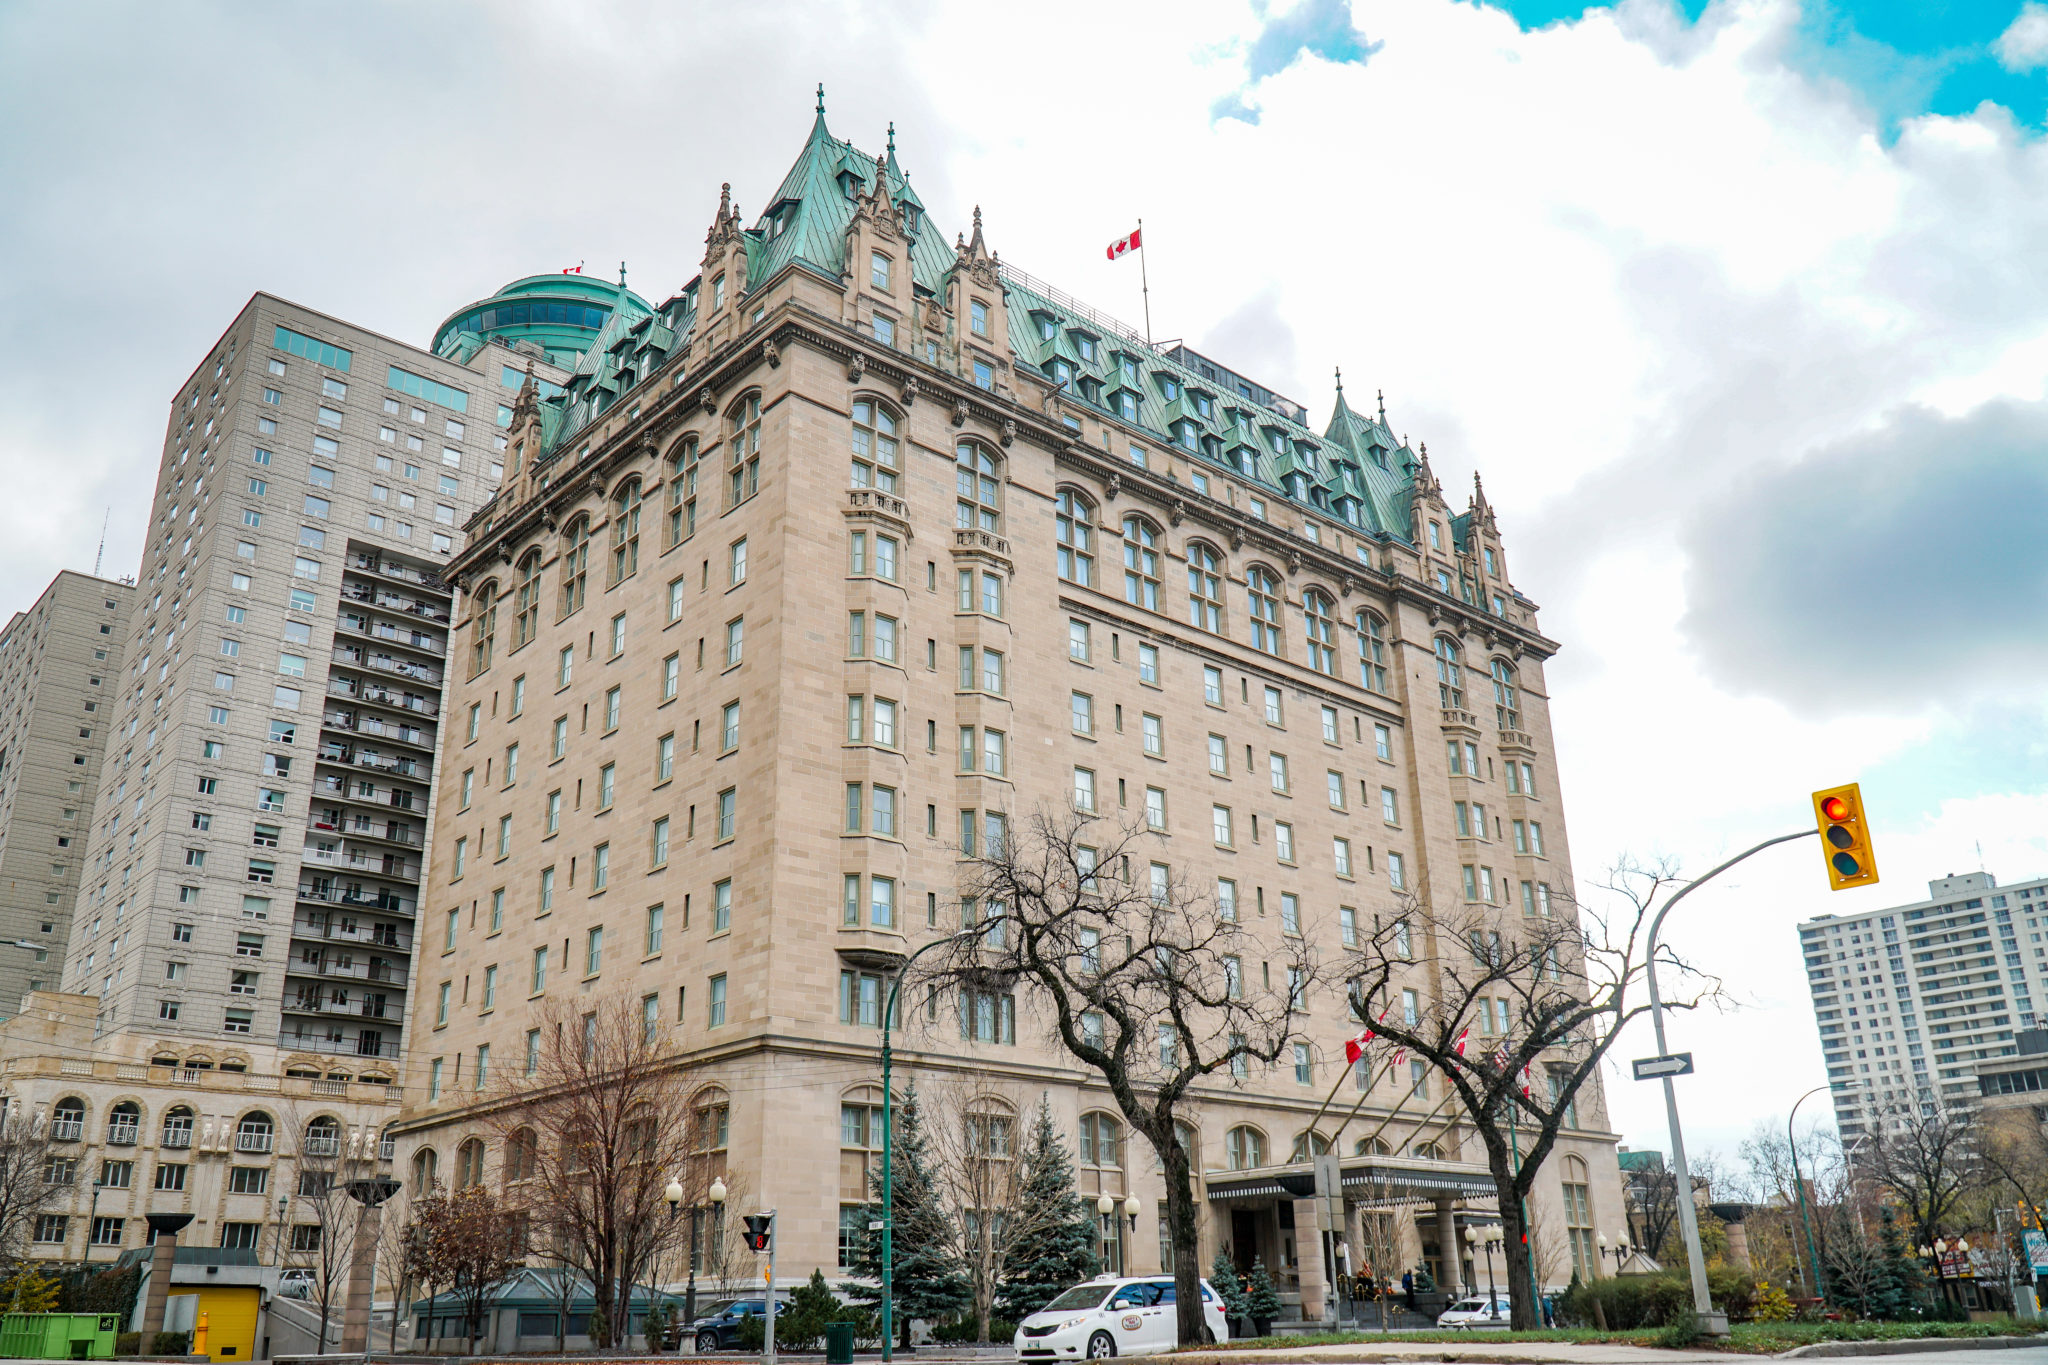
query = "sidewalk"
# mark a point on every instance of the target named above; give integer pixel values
(1481, 1352)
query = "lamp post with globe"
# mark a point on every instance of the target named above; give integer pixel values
(673, 1195)
(1486, 1242)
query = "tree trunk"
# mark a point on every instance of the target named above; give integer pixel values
(1524, 1313)
(984, 1303)
(1184, 1232)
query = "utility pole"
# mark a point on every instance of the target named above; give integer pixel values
(768, 1339)
(1820, 1284)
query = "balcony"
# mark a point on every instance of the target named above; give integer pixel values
(248, 1141)
(367, 1045)
(66, 1130)
(177, 1137)
(343, 686)
(377, 597)
(121, 1134)
(1457, 718)
(406, 639)
(321, 1146)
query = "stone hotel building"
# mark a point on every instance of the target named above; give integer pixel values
(866, 545)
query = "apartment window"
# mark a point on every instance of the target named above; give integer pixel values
(551, 813)
(1077, 641)
(1397, 872)
(660, 842)
(1219, 758)
(611, 709)
(1283, 841)
(1219, 824)
(1347, 925)
(1155, 808)
(1383, 743)
(717, 994)
(1148, 664)
(1340, 852)
(664, 758)
(1390, 807)
(540, 968)
(565, 665)
(1141, 563)
(1074, 526)
(735, 641)
(1084, 790)
(1212, 685)
(618, 635)
(1276, 765)
(1155, 736)
(728, 801)
(600, 867)
(559, 745)
(1081, 708)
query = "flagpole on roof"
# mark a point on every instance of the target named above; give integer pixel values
(1144, 285)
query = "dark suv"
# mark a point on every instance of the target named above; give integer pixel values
(716, 1332)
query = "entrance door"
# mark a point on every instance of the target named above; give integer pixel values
(1244, 1240)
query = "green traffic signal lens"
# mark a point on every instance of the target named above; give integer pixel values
(1840, 837)
(1847, 866)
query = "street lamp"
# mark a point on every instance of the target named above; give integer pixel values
(1620, 1252)
(1486, 1243)
(889, 1137)
(674, 1197)
(1820, 1284)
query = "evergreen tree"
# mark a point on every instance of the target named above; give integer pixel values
(929, 1282)
(1262, 1300)
(1060, 1248)
(1229, 1286)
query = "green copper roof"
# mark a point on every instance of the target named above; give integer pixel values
(563, 313)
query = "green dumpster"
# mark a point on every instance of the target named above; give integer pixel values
(59, 1336)
(838, 1343)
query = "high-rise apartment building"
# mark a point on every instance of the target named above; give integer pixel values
(60, 665)
(243, 936)
(862, 550)
(1911, 998)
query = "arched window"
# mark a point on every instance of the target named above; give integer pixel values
(991, 1130)
(124, 1121)
(1205, 589)
(626, 531)
(426, 1171)
(1372, 652)
(1141, 564)
(1262, 591)
(977, 488)
(874, 447)
(1578, 1217)
(178, 1127)
(1450, 675)
(711, 1120)
(1427, 1151)
(483, 628)
(1370, 1146)
(743, 450)
(67, 1120)
(1074, 519)
(1102, 1141)
(682, 492)
(1504, 709)
(575, 560)
(1321, 625)
(1244, 1147)
(1309, 1144)
(469, 1164)
(522, 1155)
(323, 1138)
(254, 1132)
(527, 603)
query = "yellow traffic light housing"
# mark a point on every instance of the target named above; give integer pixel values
(1845, 837)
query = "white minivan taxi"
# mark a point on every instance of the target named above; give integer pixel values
(1114, 1316)
(1470, 1312)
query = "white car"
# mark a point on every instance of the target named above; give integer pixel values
(1475, 1312)
(1114, 1316)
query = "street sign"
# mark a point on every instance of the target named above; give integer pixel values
(1651, 1068)
(2037, 1250)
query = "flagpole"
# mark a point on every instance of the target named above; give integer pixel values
(1144, 285)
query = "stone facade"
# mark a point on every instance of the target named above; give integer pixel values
(663, 788)
(60, 671)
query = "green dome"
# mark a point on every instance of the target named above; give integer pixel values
(562, 313)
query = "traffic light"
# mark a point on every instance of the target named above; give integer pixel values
(1845, 837)
(760, 1233)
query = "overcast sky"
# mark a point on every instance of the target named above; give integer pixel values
(1740, 311)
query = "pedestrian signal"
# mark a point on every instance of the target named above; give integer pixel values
(1845, 837)
(760, 1233)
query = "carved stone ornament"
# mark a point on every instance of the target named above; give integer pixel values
(1236, 538)
(910, 391)
(1008, 431)
(1345, 585)
(856, 367)
(1113, 487)
(1293, 562)
(505, 551)
(934, 316)
(1436, 614)
(706, 399)
(959, 412)
(1178, 511)
(550, 520)
(772, 353)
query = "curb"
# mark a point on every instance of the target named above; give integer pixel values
(1911, 1346)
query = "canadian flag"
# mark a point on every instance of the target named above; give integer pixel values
(572, 270)
(1124, 244)
(1527, 1081)
(1354, 1048)
(1462, 1036)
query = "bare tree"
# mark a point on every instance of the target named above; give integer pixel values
(468, 1241)
(590, 1141)
(24, 1192)
(1135, 975)
(974, 1138)
(2015, 1154)
(1652, 1196)
(1546, 997)
(325, 1220)
(1929, 1163)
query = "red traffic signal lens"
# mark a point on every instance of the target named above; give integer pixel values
(1835, 808)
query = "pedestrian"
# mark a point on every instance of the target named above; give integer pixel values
(1408, 1289)
(1549, 1316)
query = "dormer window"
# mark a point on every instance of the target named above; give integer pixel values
(1278, 440)
(1436, 536)
(1130, 369)
(1126, 405)
(1184, 434)
(718, 293)
(1204, 404)
(977, 317)
(1492, 570)
(1168, 388)
(878, 272)
(1047, 328)
(1085, 345)
(1063, 374)
(911, 219)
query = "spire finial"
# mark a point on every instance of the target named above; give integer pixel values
(1381, 394)
(1340, 379)
(622, 277)
(892, 137)
(821, 97)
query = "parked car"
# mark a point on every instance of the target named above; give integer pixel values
(717, 1330)
(1113, 1316)
(295, 1283)
(1467, 1313)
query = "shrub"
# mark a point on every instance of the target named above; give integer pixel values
(961, 1331)
(170, 1343)
(1682, 1333)
(1768, 1303)
(128, 1344)
(751, 1335)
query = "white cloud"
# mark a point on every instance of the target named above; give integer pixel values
(2024, 46)
(1624, 265)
